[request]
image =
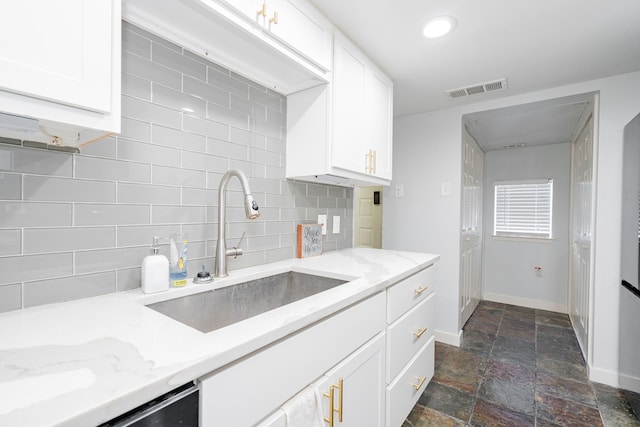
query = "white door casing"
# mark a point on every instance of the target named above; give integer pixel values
(471, 227)
(581, 226)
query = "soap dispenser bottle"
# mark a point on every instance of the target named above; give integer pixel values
(155, 271)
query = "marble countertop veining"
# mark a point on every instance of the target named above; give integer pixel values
(83, 362)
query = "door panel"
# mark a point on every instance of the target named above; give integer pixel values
(582, 182)
(471, 229)
(368, 218)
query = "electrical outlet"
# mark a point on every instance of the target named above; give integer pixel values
(399, 190)
(322, 219)
(336, 224)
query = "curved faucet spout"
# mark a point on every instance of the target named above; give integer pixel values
(251, 210)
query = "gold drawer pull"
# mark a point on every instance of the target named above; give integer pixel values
(421, 290)
(421, 381)
(420, 331)
(274, 20)
(332, 407)
(263, 11)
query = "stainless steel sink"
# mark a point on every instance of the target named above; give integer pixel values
(208, 311)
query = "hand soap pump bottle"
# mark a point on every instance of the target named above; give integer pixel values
(155, 271)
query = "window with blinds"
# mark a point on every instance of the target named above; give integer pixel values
(523, 208)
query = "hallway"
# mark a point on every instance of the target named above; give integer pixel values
(517, 367)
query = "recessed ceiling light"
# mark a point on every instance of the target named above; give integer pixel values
(438, 27)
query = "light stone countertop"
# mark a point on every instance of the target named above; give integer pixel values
(84, 362)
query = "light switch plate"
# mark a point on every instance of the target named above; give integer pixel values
(322, 219)
(336, 224)
(445, 189)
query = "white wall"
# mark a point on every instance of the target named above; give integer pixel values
(427, 151)
(508, 266)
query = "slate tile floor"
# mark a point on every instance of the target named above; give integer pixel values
(517, 367)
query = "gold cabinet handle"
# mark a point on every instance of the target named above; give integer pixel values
(375, 161)
(421, 289)
(274, 20)
(331, 396)
(262, 12)
(421, 381)
(419, 332)
(331, 407)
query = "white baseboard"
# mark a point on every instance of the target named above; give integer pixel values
(601, 376)
(449, 338)
(526, 302)
(629, 383)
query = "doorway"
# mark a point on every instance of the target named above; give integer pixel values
(367, 207)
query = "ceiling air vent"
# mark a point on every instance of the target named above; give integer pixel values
(478, 88)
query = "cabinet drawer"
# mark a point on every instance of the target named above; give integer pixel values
(262, 382)
(403, 339)
(408, 292)
(402, 394)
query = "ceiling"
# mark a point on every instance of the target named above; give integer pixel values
(533, 44)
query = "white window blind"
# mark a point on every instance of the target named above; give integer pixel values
(523, 208)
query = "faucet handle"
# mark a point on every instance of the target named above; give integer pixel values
(236, 251)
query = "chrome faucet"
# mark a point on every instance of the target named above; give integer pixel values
(250, 208)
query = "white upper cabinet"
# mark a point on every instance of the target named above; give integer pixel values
(60, 64)
(294, 22)
(287, 52)
(342, 133)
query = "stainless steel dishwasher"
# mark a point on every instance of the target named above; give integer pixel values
(179, 407)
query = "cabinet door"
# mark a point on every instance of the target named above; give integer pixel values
(303, 28)
(360, 381)
(349, 124)
(58, 51)
(379, 105)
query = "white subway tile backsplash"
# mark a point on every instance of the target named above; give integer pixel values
(109, 259)
(140, 235)
(227, 83)
(64, 239)
(28, 214)
(10, 186)
(68, 288)
(148, 194)
(135, 43)
(10, 242)
(204, 162)
(10, 297)
(34, 267)
(112, 170)
(161, 214)
(135, 129)
(205, 91)
(164, 175)
(150, 71)
(148, 112)
(177, 139)
(135, 87)
(148, 153)
(233, 118)
(174, 59)
(178, 101)
(227, 149)
(208, 128)
(79, 225)
(110, 214)
(105, 147)
(41, 162)
(42, 188)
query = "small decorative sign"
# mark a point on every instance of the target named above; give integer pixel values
(309, 240)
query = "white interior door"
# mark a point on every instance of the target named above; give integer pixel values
(368, 217)
(582, 187)
(471, 231)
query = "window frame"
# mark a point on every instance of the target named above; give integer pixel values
(539, 224)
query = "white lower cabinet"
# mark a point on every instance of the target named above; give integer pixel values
(369, 364)
(403, 393)
(249, 390)
(353, 391)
